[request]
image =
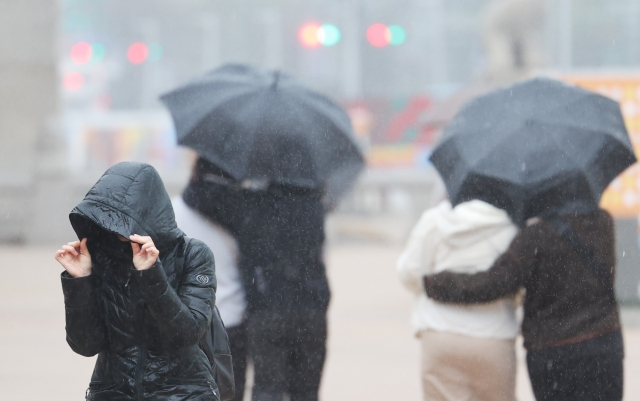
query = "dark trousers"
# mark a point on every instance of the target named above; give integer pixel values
(238, 344)
(590, 370)
(288, 351)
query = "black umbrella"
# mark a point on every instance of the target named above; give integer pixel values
(537, 147)
(263, 125)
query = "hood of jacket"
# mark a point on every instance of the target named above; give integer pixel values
(129, 198)
(469, 222)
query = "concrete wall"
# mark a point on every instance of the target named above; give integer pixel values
(28, 107)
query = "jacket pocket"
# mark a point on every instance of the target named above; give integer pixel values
(98, 387)
(208, 385)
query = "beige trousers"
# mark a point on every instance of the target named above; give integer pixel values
(457, 367)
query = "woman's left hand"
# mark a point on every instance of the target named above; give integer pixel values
(143, 256)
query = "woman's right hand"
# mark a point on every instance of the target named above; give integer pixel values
(75, 258)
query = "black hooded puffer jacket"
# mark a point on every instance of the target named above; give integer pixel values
(145, 325)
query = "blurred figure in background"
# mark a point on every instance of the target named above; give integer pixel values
(547, 167)
(273, 153)
(202, 215)
(468, 352)
(571, 326)
(282, 245)
(279, 231)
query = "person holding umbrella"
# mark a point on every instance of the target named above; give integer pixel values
(274, 156)
(544, 151)
(468, 352)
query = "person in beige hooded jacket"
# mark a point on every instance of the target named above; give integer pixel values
(468, 350)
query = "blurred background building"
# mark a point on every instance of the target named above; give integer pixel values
(80, 81)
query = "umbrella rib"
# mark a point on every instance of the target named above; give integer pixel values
(253, 137)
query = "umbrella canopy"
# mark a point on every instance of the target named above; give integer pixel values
(536, 147)
(262, 125)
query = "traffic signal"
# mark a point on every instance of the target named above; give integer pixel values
(308, 35)
(381, 35)
(329, 35)
(155, 52)
(137, 53)
(313, 35)
(73, 81)
(140, 52)
(83, 52)
(98, 52)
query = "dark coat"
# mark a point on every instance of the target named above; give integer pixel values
(282, 251)
(566, 301)
(145, 326)
(280, 234)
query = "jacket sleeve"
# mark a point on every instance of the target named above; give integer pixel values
(83, 315)
(508, 273)
(416, 259)
(182, 317)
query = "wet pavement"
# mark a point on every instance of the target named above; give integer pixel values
(372, 352)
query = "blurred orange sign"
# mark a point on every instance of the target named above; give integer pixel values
(622, 197)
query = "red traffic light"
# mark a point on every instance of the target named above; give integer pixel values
(381, 35)
(137, 53)
(73, 81)
(81, 53)
(308, 35)
(313, 35)
(378, 35)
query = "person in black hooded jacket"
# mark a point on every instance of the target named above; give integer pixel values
(124, 300)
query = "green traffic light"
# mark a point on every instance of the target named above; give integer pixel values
(329, 35)
(155, 52)
(398, 35)
(98, 52)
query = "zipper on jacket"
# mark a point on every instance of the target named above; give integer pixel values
(212, 389)
(142, 357)
(142, 361)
